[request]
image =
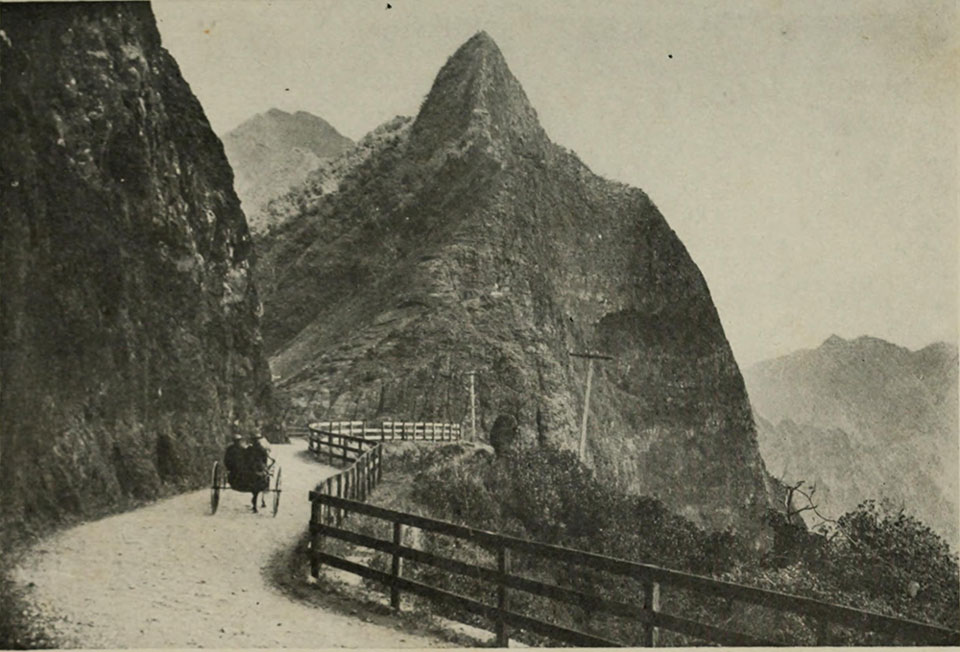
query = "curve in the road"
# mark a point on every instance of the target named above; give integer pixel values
(172, 575)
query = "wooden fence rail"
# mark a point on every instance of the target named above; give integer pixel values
(296, 431)
(330, 503)
(392, 430)
(337, 446)
(352, 483)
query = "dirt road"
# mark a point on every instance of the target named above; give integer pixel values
(172, 575)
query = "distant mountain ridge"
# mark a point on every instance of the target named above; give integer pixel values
(325, 179)
(467, 241)
(275, 150)
(865, 418)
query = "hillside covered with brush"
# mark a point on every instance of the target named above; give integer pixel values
(469, 241)
(130, 329)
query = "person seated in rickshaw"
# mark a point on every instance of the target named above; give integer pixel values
(258, 463)
(233, 460)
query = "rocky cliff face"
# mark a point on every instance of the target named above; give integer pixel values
(471, 242)
(863, 419)
(130, 325)
(275, 150)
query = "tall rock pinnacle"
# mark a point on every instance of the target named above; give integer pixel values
(472, 243)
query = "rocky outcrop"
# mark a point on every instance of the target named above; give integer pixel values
(865, 419)
(471, 242)
(275, 150)
(130, 322)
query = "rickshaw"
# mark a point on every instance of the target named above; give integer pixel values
(260, 482)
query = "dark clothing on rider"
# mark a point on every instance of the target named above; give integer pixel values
(256, 461)
(233, 459)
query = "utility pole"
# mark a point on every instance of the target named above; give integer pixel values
(586, 395)
(473, 408)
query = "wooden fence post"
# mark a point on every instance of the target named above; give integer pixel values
(363, 478)
(503, 567)
(359, 478)
(315, 539)
(328, 517)
(379, 463)
(366, 474)
(651, 603)
(395, 566)
(339, 495)
(371, 471)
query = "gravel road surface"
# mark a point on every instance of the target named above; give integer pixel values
(171, 575)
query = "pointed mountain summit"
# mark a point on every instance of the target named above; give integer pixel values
(475, 96)
(470, 242)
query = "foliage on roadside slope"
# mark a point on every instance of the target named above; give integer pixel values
(546, 495)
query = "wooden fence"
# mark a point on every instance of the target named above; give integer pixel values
(331, 502)
(353, 483)
(296, 431)
(392, 430)
(331, 446)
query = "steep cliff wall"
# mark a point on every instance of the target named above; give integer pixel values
(471, 242)
(130, 321)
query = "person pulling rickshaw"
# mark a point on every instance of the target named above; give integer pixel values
(249, 468)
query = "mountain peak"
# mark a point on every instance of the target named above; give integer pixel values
(475, 98)
(861, 344)
(480, 43)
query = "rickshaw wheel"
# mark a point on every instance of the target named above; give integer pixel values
(216, 482)
(276, 492)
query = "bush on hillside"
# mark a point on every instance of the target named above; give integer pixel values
(892, 556)
(548, 495)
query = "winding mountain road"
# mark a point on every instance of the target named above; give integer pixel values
(171, 575)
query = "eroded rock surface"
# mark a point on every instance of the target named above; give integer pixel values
(130, 321)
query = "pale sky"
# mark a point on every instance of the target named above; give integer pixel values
(805, 152)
